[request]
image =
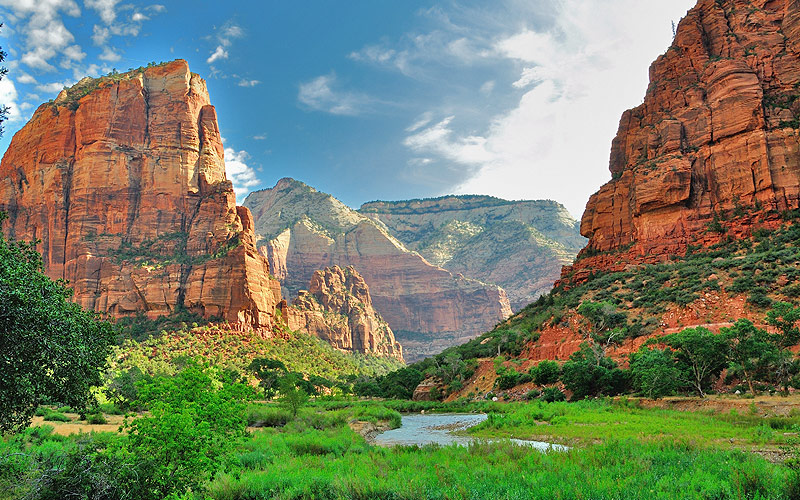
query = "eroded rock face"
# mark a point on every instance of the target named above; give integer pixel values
(123, 180)
(429, 308)
(517, 245)
(337, 308)
(715, 143)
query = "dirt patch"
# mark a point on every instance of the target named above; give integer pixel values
(765, 406)
(77, 426)
(369, 430)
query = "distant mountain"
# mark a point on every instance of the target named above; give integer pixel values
(518, 245)
(302, 230)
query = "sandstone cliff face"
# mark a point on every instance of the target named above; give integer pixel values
(337, 308)
(429, 308)
(123, 180)
(518, 245)
(715, 142)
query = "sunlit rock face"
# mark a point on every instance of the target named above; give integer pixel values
(123, 180)
(429, 308)
(337, 308)
(714, 142)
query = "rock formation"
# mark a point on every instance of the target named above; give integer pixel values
(337, 308)
(429, 308)
(123, 180)
(517, 245)
(713, 149)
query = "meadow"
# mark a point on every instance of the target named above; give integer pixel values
(619, 450)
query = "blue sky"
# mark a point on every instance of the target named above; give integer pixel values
(373, 99)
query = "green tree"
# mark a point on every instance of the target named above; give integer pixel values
(50, 348)
(268, 372)
(701, 356)
(749, 349)
(291, 396)
(400, 384)
(586, 375)
(546, 372)
(195, 420)
(654, 372)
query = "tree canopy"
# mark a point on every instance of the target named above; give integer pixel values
(51, 350)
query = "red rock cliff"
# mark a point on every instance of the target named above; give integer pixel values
(123, 180)
(337, 308)
(715, 141)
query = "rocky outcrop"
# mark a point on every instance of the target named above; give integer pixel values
(518, 245)
(302, 230)
(713, 150)
(122, 179)
(337, 308)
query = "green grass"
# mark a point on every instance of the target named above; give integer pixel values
(56, 416)
(301, 462)
(318, 456)
(587, 422)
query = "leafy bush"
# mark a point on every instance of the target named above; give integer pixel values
(546, 372)
(552, 394)
(655, 373)
(56, 416)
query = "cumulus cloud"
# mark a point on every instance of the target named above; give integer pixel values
(242, 176)
(45, 37)
(322, 94)
(8, 97)
(112, 25)
(248, 83)
(225, 35)
(576, 75)
(53, 87)
(219, 53)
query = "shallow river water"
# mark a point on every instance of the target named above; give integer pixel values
(439, 428)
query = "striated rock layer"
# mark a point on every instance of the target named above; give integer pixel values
(123, 181)
(713, 149)
(429, 308)
(337, 308)
(518, 245)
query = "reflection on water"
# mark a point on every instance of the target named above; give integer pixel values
(438, 429)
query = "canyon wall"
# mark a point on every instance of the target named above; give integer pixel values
(713, 150)
(517, 245)
(123, 180)
(429, 308)
(337, 307)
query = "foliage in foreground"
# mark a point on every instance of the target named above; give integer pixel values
(50, 348)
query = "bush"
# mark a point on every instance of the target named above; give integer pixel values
(552, 394)
(56, 416)
(532, 394)
(96, 418)
(655, 373)
(546, 372)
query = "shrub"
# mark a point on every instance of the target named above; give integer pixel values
(654, 372)
(56, 416)
(552, 394)
(546, 372)
(96, 418)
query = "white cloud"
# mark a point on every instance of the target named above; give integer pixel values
(45, 34)
(53, 87)
(577, 77)
(239, 173)
(488, 87)
(8, 97)
(26, 78)
(138, 17)
(260, 137)
(219, 53)
(225, 35)
(107, 9)
(423, 119)
(248, 83)
(321, 94)
(109, 55)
